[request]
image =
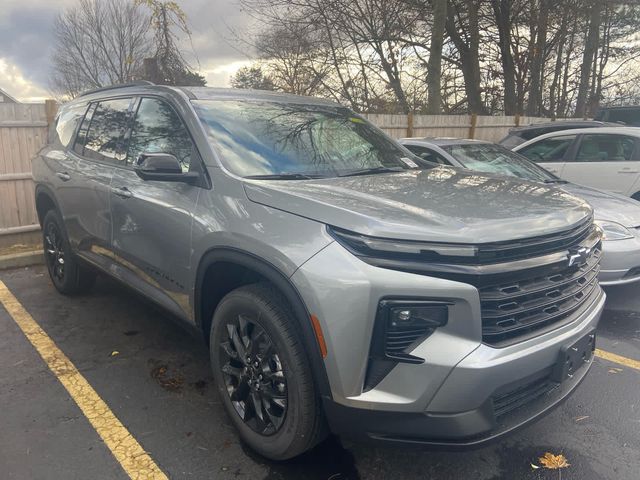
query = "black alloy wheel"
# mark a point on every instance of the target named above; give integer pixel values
(254, 375)
(54, 251)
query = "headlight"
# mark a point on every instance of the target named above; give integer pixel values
(613, 230)
(364, 245)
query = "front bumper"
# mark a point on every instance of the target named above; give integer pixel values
(620, 262)
(534, 396)
(448, 400)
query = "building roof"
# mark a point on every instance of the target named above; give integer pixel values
(11, 98)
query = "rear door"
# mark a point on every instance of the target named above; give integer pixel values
(605, 161)
(152, 219)
(98, 148)
(550, 153)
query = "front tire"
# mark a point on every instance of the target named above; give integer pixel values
(263, 374)
(67, 275)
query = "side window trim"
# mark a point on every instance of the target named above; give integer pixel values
(571, 155)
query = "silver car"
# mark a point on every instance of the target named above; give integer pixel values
(339, 286)
(617, 215)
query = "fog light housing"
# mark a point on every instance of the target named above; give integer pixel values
(400, 326)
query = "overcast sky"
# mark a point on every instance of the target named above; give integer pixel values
(26, 38)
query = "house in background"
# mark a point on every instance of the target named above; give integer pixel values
(6, 98)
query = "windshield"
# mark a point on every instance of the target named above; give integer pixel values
(496, 159)
(284, 140)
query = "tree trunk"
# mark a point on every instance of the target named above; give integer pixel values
(469, 54)
(502, 13)
(537, 62)
(434, 72)
(588, 58)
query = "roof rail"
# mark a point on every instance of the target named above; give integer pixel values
(120, 85)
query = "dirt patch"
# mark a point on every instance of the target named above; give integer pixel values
(172, 382)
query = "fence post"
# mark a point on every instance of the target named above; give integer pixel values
(472, 128)
(50, 110)
(517, 120)
(410, 124)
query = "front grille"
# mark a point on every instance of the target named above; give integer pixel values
(538, 246)
(522, 395)
(514, 307)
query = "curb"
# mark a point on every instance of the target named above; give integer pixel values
(24, 259)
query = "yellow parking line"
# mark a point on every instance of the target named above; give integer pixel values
(612, 357)
(127, 451)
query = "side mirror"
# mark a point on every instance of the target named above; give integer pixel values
(163, 167)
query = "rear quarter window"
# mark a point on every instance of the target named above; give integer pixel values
(67, 122)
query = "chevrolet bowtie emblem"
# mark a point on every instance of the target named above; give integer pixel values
(578, 256)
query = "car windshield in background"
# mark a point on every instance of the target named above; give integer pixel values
(496, 159)
(294, 141)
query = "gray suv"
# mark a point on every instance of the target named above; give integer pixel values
(340, 287)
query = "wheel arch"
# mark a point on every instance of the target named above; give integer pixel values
(242, 268)
(45, 201)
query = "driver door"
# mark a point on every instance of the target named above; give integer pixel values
(550, 153)
(152, 219)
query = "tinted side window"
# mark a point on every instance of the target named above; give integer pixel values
(105, 137)
(605, 148)
(158, 129)
(629, 116)
(67, 123)
(548, 150)
(427, 154)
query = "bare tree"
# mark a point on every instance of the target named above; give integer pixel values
(434, 68)
(168, 20)
(98, 43)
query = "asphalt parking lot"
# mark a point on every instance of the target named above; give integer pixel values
(155, 379)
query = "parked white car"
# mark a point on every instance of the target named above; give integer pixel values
(604, 158)
(618, 216)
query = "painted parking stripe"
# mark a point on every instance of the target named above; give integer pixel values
(619, 359)
(134, 460)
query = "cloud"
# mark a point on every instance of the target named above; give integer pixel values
(26, 39)
(13, 81)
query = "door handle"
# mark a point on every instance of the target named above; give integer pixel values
(122, 192)
(626, 170)
(64, 176)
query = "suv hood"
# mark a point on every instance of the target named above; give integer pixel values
(608, 206)
(443, 204)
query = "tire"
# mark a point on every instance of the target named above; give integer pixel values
(636, 196)
(66, 273)
(256, 323)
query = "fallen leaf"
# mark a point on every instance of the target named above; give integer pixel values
(114, 353)
(584, 417)
(615, 370)
(553, 462)
(535, 467)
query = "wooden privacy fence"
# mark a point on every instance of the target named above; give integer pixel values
(23, 131)
(459, 126)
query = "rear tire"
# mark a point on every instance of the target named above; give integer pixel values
(66, 273)
(259, 360)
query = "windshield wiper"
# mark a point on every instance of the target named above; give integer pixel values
(371, 171)
(556, 180)
(284, 176)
